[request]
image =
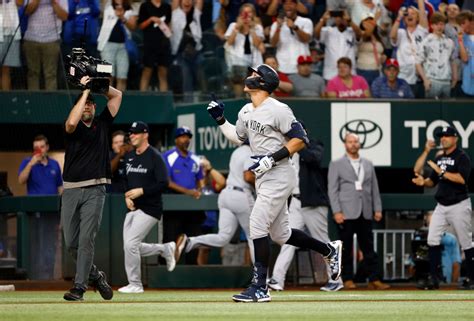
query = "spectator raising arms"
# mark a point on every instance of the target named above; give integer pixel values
(244, 45)
(466, 50)
(153, 18)
(291, 35)
(116, 25)
(408, 42)
(346, 85)
(435, 61)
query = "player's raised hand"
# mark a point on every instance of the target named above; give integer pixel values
(262, 164)
(216, 109)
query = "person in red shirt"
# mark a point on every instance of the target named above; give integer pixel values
(286, 87)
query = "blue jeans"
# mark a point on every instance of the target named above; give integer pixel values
(190, 68)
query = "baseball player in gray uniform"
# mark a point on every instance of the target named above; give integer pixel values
(235, 203)
(274, 135)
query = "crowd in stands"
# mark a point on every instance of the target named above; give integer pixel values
(332, 48)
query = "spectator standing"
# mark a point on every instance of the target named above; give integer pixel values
(154, 18)
(346, 85)
(355, 200)
(466, 51)
(267, 12)
(452, 31)
(370, 50)
(146, 180)
(86, 171)
(244, 45)
(9, 41)
(291, 35)
(81, 11)
(435, 61)
(408, 40)
(305, 83)
(285, 87)
(308, 208)
(185, 177)
(389, 85)
(363, 8)
(119, 20)
(41, 41)
(339, 41)
(186, 41)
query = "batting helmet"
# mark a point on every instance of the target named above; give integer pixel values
(267, 81)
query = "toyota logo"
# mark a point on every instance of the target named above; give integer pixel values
(370, 134)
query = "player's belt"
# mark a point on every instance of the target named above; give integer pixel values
(240, 189)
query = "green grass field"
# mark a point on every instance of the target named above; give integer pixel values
(217, 305)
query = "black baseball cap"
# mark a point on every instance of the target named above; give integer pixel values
(138, 127)
(180, 131)
(447, 131)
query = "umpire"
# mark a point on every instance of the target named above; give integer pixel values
(86, 171)
(451, 172)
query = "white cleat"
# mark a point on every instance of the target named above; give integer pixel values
(131, 289)
(274, 285)
(168, 254)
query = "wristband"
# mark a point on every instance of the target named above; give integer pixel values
(280, 154)
(221, 120)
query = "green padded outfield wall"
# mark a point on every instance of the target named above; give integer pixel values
(392, 133)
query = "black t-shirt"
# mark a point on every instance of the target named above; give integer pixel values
(118, 34)
(148, 171)
(118, 177)
(153, 36)
(87, 150)
(450, 193)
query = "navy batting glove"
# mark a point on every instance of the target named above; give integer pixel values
(216, 110)
(262, 164)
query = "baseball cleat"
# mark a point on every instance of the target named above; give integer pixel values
(334, 259)
(253, 293)
(100, 284)
(131, 289)
(332, 286)
(74, 294)
(168, 254)
(274, 285)
(180, 245)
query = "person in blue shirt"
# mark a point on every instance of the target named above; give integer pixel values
(186, 176)
(466, 50)
(79, 12)
(41, 174)
(389, 85)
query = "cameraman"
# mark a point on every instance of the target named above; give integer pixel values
(86, 171)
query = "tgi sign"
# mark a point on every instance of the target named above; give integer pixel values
(371, 122)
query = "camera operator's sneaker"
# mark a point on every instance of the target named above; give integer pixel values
(74, 294)
(334, 259)
(100, 284)
(332, 286)
(180, 245)
(168, 254)
(274, 285)
(131, 289)
(253, 293)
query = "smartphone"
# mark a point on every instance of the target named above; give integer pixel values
(245, 15)
(37, 151)
(336, 13)
(281, 14)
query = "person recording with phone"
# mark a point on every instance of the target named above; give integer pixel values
(291, 35)
(120, 146)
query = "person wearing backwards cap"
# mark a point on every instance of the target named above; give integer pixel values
(389, 85)
(185, 175)
(450, 172)
(305, 83)
(146, 180)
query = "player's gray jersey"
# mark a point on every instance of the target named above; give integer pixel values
(265, 126)
(240, 161)
(295, 161)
